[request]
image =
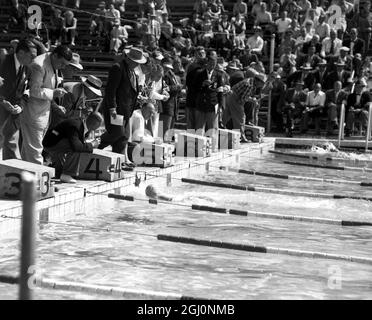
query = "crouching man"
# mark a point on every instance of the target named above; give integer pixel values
(66, 142)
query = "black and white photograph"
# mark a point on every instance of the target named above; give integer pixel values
(183, 156)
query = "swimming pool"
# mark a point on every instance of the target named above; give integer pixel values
(130, 255)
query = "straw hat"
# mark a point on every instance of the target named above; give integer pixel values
(136, 55)
(93, 83)
(75, 61)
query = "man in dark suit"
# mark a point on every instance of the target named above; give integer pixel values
(13, 70)
(295, 103)
(66, 142)
(340, 74)
(334, 98)
(210, 82)
(355, 44)
(170, 107)
(120, 99)
(320, 74)
(358, 106)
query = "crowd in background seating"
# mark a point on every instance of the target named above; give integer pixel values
(217, 61)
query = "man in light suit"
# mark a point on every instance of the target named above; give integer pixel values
(43, 85)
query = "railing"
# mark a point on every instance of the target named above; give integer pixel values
(342, 122)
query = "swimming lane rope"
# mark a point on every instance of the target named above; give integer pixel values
(274, 191)
(294, 177)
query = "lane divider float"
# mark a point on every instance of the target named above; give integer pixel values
(257, 214)
(275, 191)
(342, 168)
(263, 249)
(293, 177)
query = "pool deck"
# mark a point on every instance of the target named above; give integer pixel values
(71, 199)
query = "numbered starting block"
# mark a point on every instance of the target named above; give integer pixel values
(10, 179)
(154, 155)
(192, 145)
(228, 139)
(101, 165)
(254, 133)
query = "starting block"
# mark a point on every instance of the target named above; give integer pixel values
(254, 133)
(192, 145)
(101, 165)
(154, 155)
(10, 179)
(228, 139)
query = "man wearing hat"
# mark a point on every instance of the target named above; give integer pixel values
(82, 98)
(340, 74)
(320, 74)
(358, 106)
(305, 74)
(44, 87)
(170, 107)
(119, 36)
(295, 102)
(209, 103)
(120, 99)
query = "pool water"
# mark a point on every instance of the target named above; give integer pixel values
(130, 256)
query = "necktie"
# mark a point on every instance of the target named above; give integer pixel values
(20, 82)
(332, 50)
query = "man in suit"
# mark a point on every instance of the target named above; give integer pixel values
(358, 106)
(210, 82)
(13, 70)
(355, 44)
(170, 107)
(334, 98)
(43, 84)
(120, 99)
(295, 102)
(66, 142)
(321, 73)
(340, 74)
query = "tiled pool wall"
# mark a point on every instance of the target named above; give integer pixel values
(74, 199)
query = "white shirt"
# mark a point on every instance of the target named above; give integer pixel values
(255, 44)
(326, 46)
(283, 25)
(137, 128)
(315, 99)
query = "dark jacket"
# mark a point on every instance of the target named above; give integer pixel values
(208, 96)
(331, 97)
(192, 88)
(8, 72)
(365, 98)
(298, 101)
(120, 93)
(333, 76)
(73, 131)
(358, 45)
(170, 107)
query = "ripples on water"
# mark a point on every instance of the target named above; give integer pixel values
(136, 261)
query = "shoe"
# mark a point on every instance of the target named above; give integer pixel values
(67, 179)
(130, 164)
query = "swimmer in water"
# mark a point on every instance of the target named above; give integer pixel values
(152, 193)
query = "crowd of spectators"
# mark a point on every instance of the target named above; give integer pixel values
(216, 61)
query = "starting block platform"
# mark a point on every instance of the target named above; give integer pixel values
(10, 179)
(101, 165)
